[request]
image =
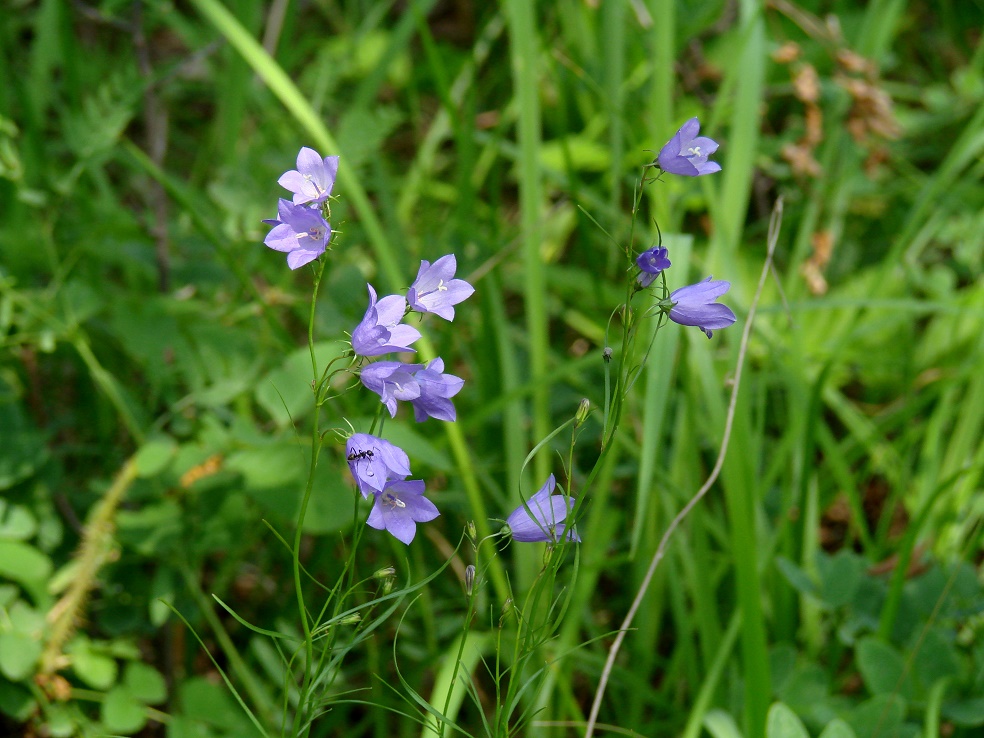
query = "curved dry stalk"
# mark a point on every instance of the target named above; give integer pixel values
(774, 226)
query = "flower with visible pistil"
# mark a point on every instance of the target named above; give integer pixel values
(300, 231)
(374, 462)
(696, 305)
(541, 519)
(651, 263)
(435, 290)
(686, 153)
(313, 179)
(399, 507)
(392, 381)
(380, 331)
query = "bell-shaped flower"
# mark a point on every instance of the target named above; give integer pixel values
(686, 153)
(381, 331)
(436, 389)
(313, 179)
(542, 517)
(299, 231)
(399, 507)
(375, 461)
(696, 305)
(651, 263)
(392, 381)
(435, 290)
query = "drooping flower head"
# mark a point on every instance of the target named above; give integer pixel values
(374, 462)
(542, 518)
(436, 391)
(392, 381)
(399, 507)
(313, 179)
(651, 263)
(435, 290)
(696, 305)
(299, 231)
(686, 153)
(380, 331)
(426, 387)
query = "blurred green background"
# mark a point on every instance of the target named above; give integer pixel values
(153, 361)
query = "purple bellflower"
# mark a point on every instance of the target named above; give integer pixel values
(435, 290)
(695, 305)
(436, 389)
(313, 179)
(392, 381)
(380, 331)
(299, 231)
(541, 519)
(399, 507)
(374, 462)
(686, 153)
(651, 263)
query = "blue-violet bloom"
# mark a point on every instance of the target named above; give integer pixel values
(695, 305)
(436, 389)
(300, 231)
(374, 462)
(392, 381)
(399, 507)
(651, 263)
(541, 519)
(686, 153)
(435, 290)
(313, 179)
(380, 331)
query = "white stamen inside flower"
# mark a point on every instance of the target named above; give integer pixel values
(393, 501)
(694, 150)
(441, 287)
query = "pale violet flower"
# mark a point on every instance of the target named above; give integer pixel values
(313, 179)
(399, 507)
(381, 331)
(392, 381)
(696, 305)
(436, 391)
(543, 516)
(686, 153)
(435, 290)
(375, 461)
(299, 231)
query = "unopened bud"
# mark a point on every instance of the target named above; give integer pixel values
(471, 530)
(607, 354)
(351, 619)
(582, 412)
(385, 573)
(469, 579)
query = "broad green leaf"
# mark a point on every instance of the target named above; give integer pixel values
(837, 729)
(92, 667)
(798, 578)
(16, 522)
(968, 713)
(145, 683)
(840, 577)
(882, 668)
(882, 715)
(15, 701)
(25, 565)
(19, 653)
(154, 456)
(720, 724)
(121, 712)
(783, 723)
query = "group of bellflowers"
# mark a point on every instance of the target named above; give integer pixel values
(381, 470)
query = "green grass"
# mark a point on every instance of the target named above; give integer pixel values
(843, 535)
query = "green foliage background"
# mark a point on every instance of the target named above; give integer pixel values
(152, 367)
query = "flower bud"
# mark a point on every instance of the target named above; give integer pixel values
(582, 412)
(385, 573)
(607, 354)
(471, 531)
(352, 619)
(469, 579)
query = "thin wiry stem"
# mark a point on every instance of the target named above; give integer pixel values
(774, 225)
